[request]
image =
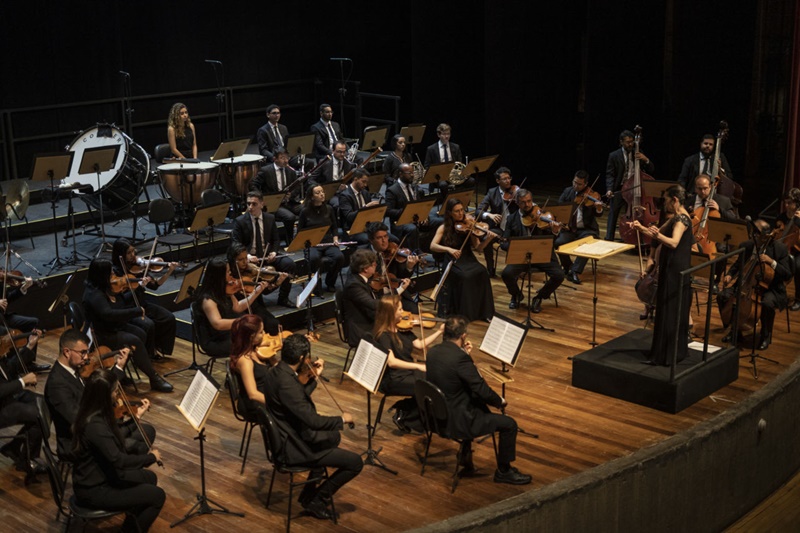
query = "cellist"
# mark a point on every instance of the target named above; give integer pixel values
(788, 222)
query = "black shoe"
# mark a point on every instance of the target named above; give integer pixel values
(765, 341)
(36, 466)
(285, 302)
(512, 476)
(492, 273)
(318, 509)
(536, 305)
(38, 369)
(308, 493)
(158, 357)
(398, 419)
(795, 306)
(331, 288)
(160, 384)
(573, 278)
(514, 303)
(12, 451)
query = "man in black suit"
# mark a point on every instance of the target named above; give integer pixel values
(271, 135)
(445, 151)
(619, 167)
(358, 300)
(335, 169)
(64, 389)
(275, 178)
(326, 133)
(21, 322)
(397, 197)
(450, 367)
(494, 208)
(720, 202)
(701, 163)
(257, 229)
(379, 238)
(582, 223)
(353, 198)
(311, 439)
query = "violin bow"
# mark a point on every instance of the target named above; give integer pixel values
(422, 333)
(152, 253)
(261, 262)
(22, 364)
(351, 425)
(241, 281)
(128, 281)
(6, 260)
(126, 402)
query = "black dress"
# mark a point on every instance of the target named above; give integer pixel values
(668, 331)
(468, 287)
(399, 381)
(185, 144)
(246, 405)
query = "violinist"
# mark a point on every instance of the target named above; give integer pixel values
(358, 299)
(256, 230)
(316, 212)
(620, 166)
(240, 268)
(399, 263)
(105, 475)
(118, 323)
(788, 226)
(289, 401)
(15, 291)
(702, 162)
(163, 320)
(469, 289)
(65, 386)
(523, 224)
(403, 371)
(582, 223)
(250, 368)
(774, 259)
(275, 178)
(495, 207)
(352, 199)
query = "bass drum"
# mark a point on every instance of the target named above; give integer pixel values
(185, 182)
(121, 184)
(236, 173)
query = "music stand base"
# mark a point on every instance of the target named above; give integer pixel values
(371, 458)
(754, 357)
(203, 506)
(194, 366)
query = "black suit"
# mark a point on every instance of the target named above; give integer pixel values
(691, 169)
(494, 204)
(434, 157)
(616, 172)
(243, 234)
(348, 210)
(266, 139)
(266, 181)
(514, 228)
(322, 140)
(359, 304)
(18, 406)
(573, 232)
(311, 439)
(396, 201)
(452, 370)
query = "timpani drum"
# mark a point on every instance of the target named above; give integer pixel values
(236, 173)
(185, 182)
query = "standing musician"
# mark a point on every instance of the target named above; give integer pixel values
(20, 322)
(775, 257)
(582, 223)
(701, 163)
(358, 299)
(326, 133)
(272, 135)
(163, 320)
(257, 231)
(469, 287)
(468, 397)
(275, 178)
(354, 197)
(311, 439)
(334, 169)
(316, 212)
(790, 218)
(181, 133)
(250, 367)
(523, 224)
(495, 207)
(105, 475)
(65, 386)
(118, 322)
(241, 269)
(389, 262)
(445, 151)
(620, 165)
(403, 371)
(395, 158)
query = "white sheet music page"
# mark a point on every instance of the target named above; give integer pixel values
(502, 340)
(368, 365)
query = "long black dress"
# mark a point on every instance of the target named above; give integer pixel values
(668, 331)
(468, 287)
(185, 144)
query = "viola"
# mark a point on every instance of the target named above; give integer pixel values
(409, 321)
(510, 193)
(15, 278)
(100, 357)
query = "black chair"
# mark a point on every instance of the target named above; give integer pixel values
(232, 382)
(198, 341)
(274, 444)
(162, 152)
(63, 466)
(161, 214)
(341, 327)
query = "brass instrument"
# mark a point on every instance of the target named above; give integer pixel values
(419, 172)
(352, 151)
(457, 176)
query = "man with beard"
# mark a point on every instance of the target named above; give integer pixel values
(701, 163)
(619, 167)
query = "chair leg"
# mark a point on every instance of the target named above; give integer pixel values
(425, 457)
(244, 435)
(247, 446)
(289, 510)
(788, 325)
(271, 482)
(344, 366)
(378, 416)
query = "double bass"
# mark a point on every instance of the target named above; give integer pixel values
(726, 187)
(640, 206)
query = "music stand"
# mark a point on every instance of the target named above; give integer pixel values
(730, 232)
(230, 149)
(465, 195)
(438, 172)
(415, 212)
(479, 165)
(212, 215)
(62, 298)
(375, 182)
(375, 138)
(51, 167)
(528, 251)
(413, 134)
(331, 189)
(594, 249)
(655, 189)
(365, 216)
(300, 145)
(191, 280)
(97, 160)
(307, 237)
(273, 201)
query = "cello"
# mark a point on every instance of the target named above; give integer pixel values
(700, 225)
(640, 206)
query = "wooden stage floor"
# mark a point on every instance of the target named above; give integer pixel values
(577, 430)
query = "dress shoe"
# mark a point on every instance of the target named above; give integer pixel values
(285, 302)
(12, 451)
(515, 300)
(35, 466)
(398, 419)
(512, 476)
(39, 368)
(536, 305)
(572, 277)
(318, 509)
(331, 288)
(765, 341)
(160, 384)
(795, 306)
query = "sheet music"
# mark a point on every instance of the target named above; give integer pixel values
(503, 340)
(196, 403)
(599, 247)
(368, 366)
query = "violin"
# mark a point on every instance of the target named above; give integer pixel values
(100, 357)
(510, 193)
(377, 282)
(590, 197)
(271, 344)
(409, 321)
(542, 219)
(121, 284)
(14, 338)
(469, 225)
(15, 278)
(122, 409)
(309, 373)
(155, 264)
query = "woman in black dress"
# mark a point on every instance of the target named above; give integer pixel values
(317, 212)
(674, 255)
(250, 368)
(239, 266)
(398, 156)
(468, 288)
(180, 133)
(105, 475)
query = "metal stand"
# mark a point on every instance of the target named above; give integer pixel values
(754, 357)
(104, 246)
(56, 263)
(75, 257)
(204, 503)
(504, 369)
(529, 321)
(371, 456)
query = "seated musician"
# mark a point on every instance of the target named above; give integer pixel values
(163, 320)
(65, 386)
(495, 206)
(702, 162)
(582, 223)
(445, 151)
(789, 222)
(249, 366)
(773, 258)
(380, 243)
(398, 197)
(216, 307)
(118, 322)
(395, 158)
(275, 178)
(334, 169)
(326, 133)
(353, 198)
(181, 133)
(13, 321)
(523, 224)
(358, 300)
(316, 212)
(241, 268)
(257, 231)
(468, 289)
(403, 371)
(271, 135)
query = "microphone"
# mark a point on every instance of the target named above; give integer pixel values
(213, 61)
(341, 59)
(126, 74)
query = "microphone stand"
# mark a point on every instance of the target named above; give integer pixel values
(219, 76)
(127, 96)
(342, 90)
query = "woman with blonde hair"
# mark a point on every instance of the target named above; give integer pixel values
(180, 132)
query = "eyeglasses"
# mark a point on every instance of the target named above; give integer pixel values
(274, 112)
(83, 353)
(252, 203)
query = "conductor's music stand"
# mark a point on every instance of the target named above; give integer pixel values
(231, 148)
(51, 167)
(191, 280)
(375, 138)
(365, 216)
(528, 251)
(97, 160)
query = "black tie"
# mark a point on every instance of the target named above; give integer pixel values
(278, 141)
(332, 134)
(259, 245)
(707, 170)
(446, 158)
(338, 175)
